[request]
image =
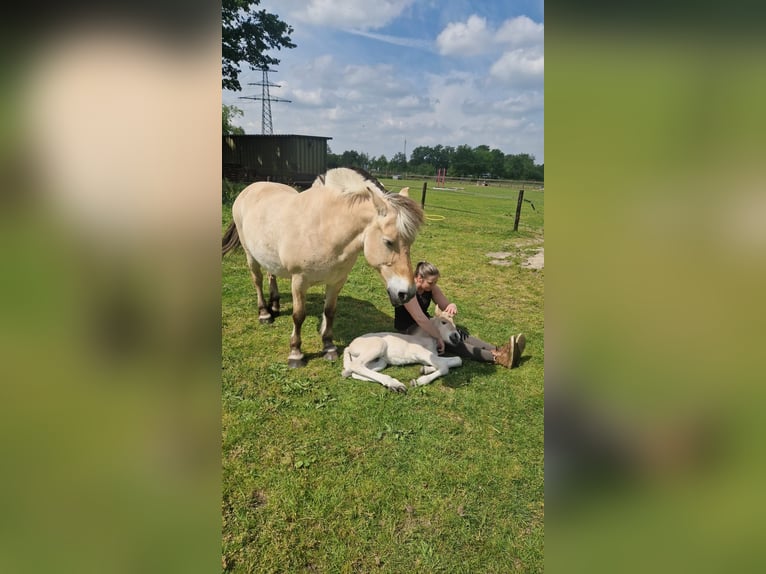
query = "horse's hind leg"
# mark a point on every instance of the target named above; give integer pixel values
(257, 275)
(273, 296)
(295, 358)
(328, 318)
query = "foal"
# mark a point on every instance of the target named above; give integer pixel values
(369, 354)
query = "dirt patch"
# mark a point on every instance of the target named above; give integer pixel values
(502, 258)
(537, 261)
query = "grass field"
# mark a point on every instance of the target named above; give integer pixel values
(326, 474)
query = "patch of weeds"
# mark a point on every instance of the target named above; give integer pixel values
(321, 401)
(274, 403)
(303, 460)
(277, 372)
(396, 434)
(296, 388)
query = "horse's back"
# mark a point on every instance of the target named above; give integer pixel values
(262, 195)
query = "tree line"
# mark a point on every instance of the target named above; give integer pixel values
(460, 161)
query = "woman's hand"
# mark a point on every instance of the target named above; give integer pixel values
(451, 310)
(440, 345)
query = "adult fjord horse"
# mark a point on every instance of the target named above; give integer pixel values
(314, 237)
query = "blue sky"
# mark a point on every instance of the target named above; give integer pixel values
(371, 74)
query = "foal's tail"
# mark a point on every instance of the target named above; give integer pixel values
(230, 239)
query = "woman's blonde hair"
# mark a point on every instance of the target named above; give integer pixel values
(425, 269)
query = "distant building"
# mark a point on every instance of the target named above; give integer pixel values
(290, 159)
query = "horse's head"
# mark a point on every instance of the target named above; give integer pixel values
(447, 329)
(387, 242)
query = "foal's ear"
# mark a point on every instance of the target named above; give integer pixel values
(405, 191)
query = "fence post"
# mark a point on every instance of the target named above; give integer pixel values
(518, 210)
(423, 196)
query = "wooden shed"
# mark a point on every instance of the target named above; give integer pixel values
(290, 159)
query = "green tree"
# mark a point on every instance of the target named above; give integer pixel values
(398, 162)
(497, 163)
(352, 158)
(229, 112)
(520, 166)
(247, 34)
(379, 163)
(482, 160)
(463, 162)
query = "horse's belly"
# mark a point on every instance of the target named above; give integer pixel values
(269, 260)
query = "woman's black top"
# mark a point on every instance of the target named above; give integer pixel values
(402, 318)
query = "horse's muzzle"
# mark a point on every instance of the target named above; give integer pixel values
(400, 296)
(454, 339)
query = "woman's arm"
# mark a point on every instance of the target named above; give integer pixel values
(413, 308)
(441, 300)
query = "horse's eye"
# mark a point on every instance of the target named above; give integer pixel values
(388, 243)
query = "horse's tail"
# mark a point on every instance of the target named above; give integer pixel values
(230, 239)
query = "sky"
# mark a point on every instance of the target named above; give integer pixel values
(385, 76)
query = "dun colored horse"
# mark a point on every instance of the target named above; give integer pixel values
(315, 236)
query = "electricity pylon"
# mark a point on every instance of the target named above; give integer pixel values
(266, 99)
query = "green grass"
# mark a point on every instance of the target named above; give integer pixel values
(326, 474)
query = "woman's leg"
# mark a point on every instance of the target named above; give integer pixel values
(473, 348)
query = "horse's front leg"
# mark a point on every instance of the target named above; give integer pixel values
(295, 358)
(328, 318)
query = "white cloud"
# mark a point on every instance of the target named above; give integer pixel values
(474, 36)
(308, 97)
(521, 31)
(524, 102)
(524, 67)
(466, 39)
(343, 14)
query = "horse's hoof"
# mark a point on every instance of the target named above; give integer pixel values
(296, 363)
(400, 388)
(331, 355)
(266, 320)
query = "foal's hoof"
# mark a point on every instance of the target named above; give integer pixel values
(266, 320)
(296, 363)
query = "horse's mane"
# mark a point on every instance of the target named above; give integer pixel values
(351, 180)
(357, 184)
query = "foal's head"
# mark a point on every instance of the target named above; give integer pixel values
(447, 329)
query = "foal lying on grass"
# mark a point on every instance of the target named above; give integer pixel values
(369, 354)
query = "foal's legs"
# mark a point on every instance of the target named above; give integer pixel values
(436, 367)
(295, 358)
(328, 318)
(264, 316)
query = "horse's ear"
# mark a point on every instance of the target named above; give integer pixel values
(380, 205)
(405, 191)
